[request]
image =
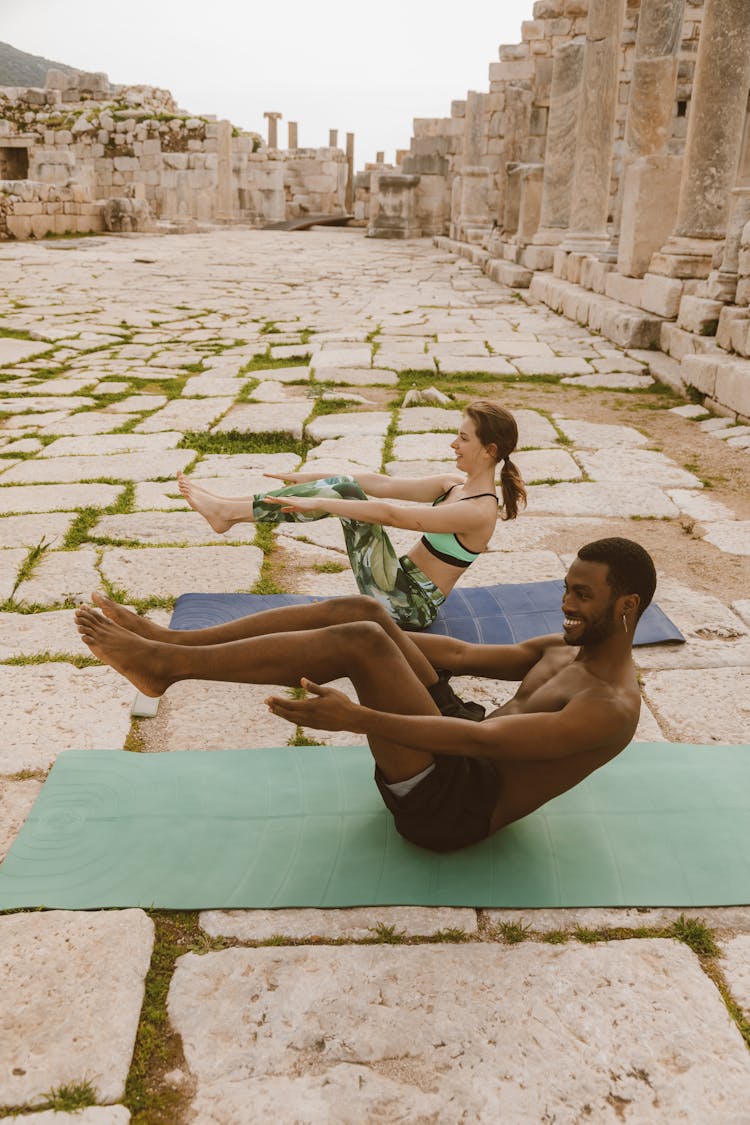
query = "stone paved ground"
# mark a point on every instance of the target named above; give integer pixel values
(126, 359)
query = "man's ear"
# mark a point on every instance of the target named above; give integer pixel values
(630, 603)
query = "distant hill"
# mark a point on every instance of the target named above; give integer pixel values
(18, 68)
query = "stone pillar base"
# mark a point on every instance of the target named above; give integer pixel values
(538, 257)
(685, 257)
(396, 207)
(584, 242)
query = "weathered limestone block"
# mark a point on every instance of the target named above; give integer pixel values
(698, 314)
(559, 157)
(74, 982)
(397, 207)
(645, 227)
(169, 571)
(660, 295)
(332, 1029)
(352, 924)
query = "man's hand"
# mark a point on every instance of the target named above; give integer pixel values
(328, 709)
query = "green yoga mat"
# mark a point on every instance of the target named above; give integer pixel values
(660, 825)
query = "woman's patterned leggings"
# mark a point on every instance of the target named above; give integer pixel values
(410, 597)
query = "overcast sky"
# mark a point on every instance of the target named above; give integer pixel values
(360, 67)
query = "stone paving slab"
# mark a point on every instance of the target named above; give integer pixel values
(27, 634)
(360, 377)
(598, 435)
(194, 715)
(232, 464)
(363, 423)
(601, 498)
(271, 390)
(340, 355)
(698, 615)
(489, 365)
(613, 381)
(216, 386)
(260, 418)
(185, 414)
(64, 386)
(138, 402)
(143, 465)
(637, 464)
(354, 924)
(102, 445)
(546, 465)
(542, 920)
(39, 404)
(365, 451)
(305, 558)
(742, 608)
(59, 707)
(175, 528)
(702, 705)
(158, 495)
(88, 422)
(16, 799)
(295, 374)
(421, 447)
(698, 506)
(28, 530)
(10, 562)
(730, 537)
(379, 1032)
(143, 572)
(736, 968)
(64, 975)
(421, 419)
(14, 351)
(514, 566)
(534, 430)
(60, 575)
(513, 345)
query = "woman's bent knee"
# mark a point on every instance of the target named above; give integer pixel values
(358, 607)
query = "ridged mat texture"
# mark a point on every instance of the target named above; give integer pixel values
(503, 614)
(660, 825)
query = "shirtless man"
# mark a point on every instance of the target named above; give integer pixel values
(449, 782)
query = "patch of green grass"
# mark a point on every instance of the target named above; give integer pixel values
(70, 1097)
(134, 741)
(695, 933)
(328, 567)
(301, 739)
(389, 439)
(555, 937)
(452, 934)
(78, 660)
(78, 532)
(158, 1048)
(512, 932)
(264, 539)
(27, 567)
(586, 936)
(235, 441)
(387, 935)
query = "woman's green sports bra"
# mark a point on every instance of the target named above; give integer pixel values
(446, 546)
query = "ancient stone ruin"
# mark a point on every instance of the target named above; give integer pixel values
(604, 172)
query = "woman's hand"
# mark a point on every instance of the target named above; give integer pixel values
(325, 709)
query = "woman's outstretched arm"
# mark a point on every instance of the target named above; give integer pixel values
(381, 486)
(458, 518)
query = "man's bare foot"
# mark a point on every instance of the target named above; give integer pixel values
(218, 511)
(136, 658)
(130, 621)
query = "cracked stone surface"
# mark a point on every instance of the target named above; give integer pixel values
(60, 575)
(701, 705)
(63, 976)
(394, 1031)
(200, 716)
(260, 418)
(170, 527)
(52, 497)
(355, 923)
(91, 1115)
(601, 498)
(363, 423)
(59, 707)
(16, 799)
(148, 571)
(26, 634)
(116, 466)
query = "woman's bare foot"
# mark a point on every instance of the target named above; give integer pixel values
(218, 511)
(137, 659)
(131, 621)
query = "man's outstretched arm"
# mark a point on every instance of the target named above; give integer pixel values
(591, 720)
(496, 662)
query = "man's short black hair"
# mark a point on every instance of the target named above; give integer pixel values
(630, 568)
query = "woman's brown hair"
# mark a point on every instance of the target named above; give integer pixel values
(496, 426)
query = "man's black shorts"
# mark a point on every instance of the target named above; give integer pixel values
(450, 808)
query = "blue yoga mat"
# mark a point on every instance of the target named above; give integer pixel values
(504, 614)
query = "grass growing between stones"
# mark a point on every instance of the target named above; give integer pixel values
(263, 361)
(158, 1048)
(78, 660)
(266, 583)
(69, 1098)
(236, 441)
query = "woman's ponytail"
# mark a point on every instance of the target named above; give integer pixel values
(512, 488)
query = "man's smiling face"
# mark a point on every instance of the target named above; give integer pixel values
(588, 604)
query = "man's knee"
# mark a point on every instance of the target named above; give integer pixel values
(358, 607)
(365, 642)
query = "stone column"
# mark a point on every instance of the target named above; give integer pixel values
(224, 195)
(647, 132)
(293, 141)
(722, 283)
(380, 158)
(559, 155)
(273, 128)
(349, 198)
(333, 138)
(717, 109)
(596, 128)
(474, 220)
(473, 120)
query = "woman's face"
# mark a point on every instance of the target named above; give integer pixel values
(467, 446)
